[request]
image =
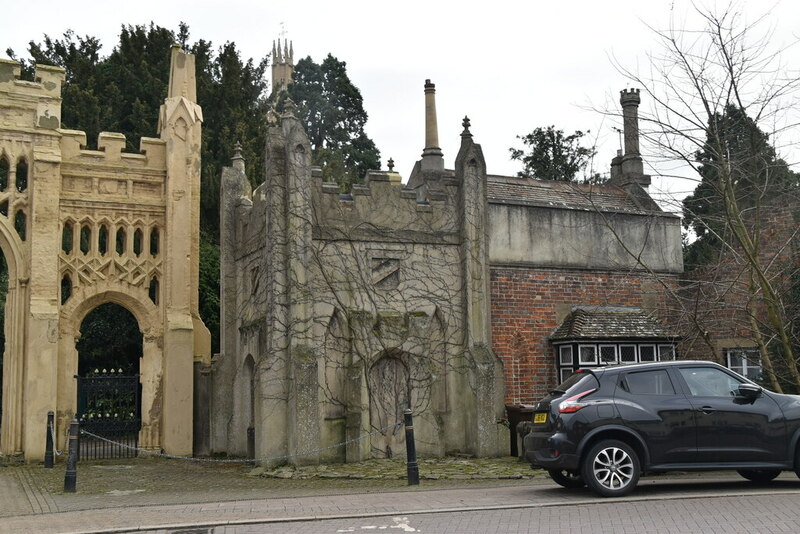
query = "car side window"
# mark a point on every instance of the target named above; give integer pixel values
(709, 382)
(654, 382)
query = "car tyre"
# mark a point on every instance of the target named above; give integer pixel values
(567, 479)
(611, 468)
(759, 476)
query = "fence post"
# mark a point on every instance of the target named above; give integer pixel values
(411, 450)
(48, 447)
(71, 475)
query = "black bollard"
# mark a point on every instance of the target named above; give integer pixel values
(48, 447)
(71, 476)
(411, 450)
(251, 443)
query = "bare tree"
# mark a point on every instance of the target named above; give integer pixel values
(720, 97)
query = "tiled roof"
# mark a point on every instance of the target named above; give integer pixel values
(610, 323)
(548, 193)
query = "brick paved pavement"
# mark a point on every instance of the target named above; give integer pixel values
(140, 495)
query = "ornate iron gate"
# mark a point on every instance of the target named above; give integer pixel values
(108, 406)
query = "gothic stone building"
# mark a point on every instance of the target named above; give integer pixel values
(80, 228)
(442, 295)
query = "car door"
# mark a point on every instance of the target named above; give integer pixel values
(730, 427)
(650, 404)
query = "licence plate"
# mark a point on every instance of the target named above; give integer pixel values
(539, 418)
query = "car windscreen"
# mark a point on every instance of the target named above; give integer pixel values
(576, 383)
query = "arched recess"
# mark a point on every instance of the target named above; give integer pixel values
(389, 385)
(147, 315)
(13, 385)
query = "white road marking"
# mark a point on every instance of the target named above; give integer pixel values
(400, 523)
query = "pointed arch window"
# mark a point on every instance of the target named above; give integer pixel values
(86, 239)
(66, 238)
(120, 239)
(22, 175)
(153, 291)
(154, 241)
(20, 224)
(66, 288)
(102, 240)
(137, 242)
(4, 166)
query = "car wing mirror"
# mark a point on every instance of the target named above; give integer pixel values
(750, 391)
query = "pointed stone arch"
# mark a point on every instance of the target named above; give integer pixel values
(151, 368)
(13, 401)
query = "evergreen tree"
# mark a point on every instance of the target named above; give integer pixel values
(332, 111)
(551, 155)
(754, 172)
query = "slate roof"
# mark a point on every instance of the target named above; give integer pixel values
(611, 323)
(547, 193)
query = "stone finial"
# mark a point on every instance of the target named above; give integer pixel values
(390, 164)
(466, 124)
(237, 161)
(272, 117)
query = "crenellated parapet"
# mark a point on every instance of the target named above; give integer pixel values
(30, 105)
(109, 173)
(383, 208)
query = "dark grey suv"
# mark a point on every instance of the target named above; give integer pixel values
(605, 427)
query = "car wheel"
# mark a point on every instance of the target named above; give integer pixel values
(611, 468)
(761, 476)
(568, 479)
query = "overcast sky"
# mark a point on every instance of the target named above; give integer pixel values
(509, 66)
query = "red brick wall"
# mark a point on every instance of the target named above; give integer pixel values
(528, 303)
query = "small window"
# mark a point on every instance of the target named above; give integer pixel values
(22, 175)
(709, 382)
(588, 354)
(20, 224)
(627, 353)
(649, 383)
(102, 240)
(746, 362)
(647, 353)
(66, 288)
(120, 241)
(137, 242)
(66, 238)
(608, 354)
(154, 242)
(666, 353)
(3, 173)
(153, 290)
(86, 239)
(565, 355)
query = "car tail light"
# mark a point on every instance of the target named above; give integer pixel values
(573, 404)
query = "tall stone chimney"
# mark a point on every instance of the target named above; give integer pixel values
(628, 167)
(432, 159)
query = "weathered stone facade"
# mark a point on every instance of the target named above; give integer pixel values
(340, 311)
(68, 195)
